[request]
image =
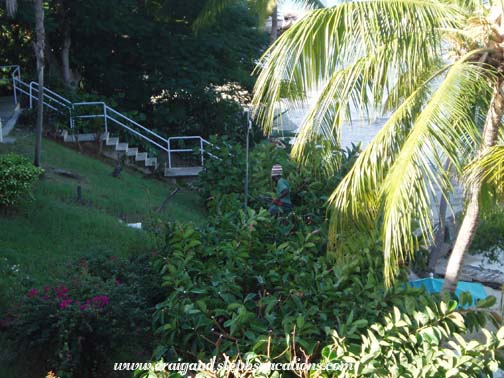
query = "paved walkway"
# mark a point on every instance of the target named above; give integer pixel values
(9, 114)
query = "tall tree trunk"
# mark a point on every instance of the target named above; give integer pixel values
(274, 25)
(468, 227)
(70, 77)
(11, 7)
(39, 53)
(65, 59)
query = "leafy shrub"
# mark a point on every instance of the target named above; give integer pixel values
(234, 286)
(17, 175)
(77, 325)
(429, 342)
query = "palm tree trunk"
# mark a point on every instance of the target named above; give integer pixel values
(39, 53)
(274, 25)
(468, 227)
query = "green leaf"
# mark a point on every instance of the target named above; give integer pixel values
(487, 302)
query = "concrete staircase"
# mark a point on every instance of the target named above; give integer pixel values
(138, 157)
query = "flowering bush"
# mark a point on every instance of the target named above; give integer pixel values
(78, 325)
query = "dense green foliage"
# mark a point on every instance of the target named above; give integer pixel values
(427, 343)
(17, 176)
(247, 281)
(232, 286)
(144, 57)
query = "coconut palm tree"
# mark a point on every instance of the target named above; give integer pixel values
(263, 9)
(437, 66)
(39, 46)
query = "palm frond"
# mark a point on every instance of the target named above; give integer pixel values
(488, 169)
(402, 35)
(444, 129)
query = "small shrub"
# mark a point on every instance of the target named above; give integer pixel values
(17, 175)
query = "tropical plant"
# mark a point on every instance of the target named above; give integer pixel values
(437, 65)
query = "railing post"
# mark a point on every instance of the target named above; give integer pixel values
(14, 86)
(71, 112)
(105, 116)
(201, 152)
(169, 153)
(31, 95)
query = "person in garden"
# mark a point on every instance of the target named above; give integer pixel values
(282, 203)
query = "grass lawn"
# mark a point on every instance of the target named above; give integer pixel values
(41, 234)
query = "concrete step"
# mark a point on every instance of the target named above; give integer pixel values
(151, 162)
(183, 171)
(105, 136)
(122, 147)
(71, 138)
(112, 141)
(132, 151)
(141, 156)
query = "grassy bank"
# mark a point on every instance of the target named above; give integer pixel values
(54, 227)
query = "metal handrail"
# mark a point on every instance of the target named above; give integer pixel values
(47, 90)
(113, 115)
(137, 124)
(202, 142)
(52, 99)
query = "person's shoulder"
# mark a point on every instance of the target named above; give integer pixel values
(284, 181)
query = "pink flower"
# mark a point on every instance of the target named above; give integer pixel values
(65, 303)
(32, 293)
(61, 292)
(99, 301)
